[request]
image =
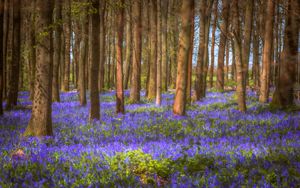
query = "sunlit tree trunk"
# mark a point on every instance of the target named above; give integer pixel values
(102, 44)
(222, 45)
(267, 53)
(247, 39)
(119, 54)
(240, 90)
(57, 50)
(159, 55)
(153, 50)
(256, 66)
(95, 59)
(283, 96)
(135, 85)
(40, 123)
(187, 9)
(190, 63)
(165, 55)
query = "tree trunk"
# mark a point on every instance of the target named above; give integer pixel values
(57, 51)
(153, 50)
(187, 9)
(119, 57)
(16, 56)
(213, 41)
(83, 58)
(190, 64)
(95, 59)
(137, 52)
(283, 96)
(159, 54)
(67, 33)
(247, 39)
(128, 53)
(223, 40)
(40, 122)
(267, 53)
(240, 90)
(1, 54)
(165, 57)
(102, 44)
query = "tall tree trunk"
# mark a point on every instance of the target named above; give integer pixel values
(159, 54)
(190, 64)
(240, 90)
(137, 52)
(283, 96)
(223, 40)
(247, 39)
(57, 51)
(102, 44)
(1, 53)
(267, 53)
(95, 58)
(16, 56)
(165, 57)
(67, 34)
(119, 57)
(256, 67)
(153, 50)
(40, 122)
(213, 41)
(187, 9)
(128, 53)
(83, 58)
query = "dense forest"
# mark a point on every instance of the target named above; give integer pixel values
(130, 93)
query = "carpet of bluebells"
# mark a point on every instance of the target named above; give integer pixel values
(213, 146)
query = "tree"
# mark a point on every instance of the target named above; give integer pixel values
(119, 55)
(1, 53)
(16, 56)
(40, 123)
(164, 66)
(57, 50)
(222, 45)
(283, 95)
(128, 53)
(213, 41)
(67, 27)
(159, 54)
(83, 57)
(102, 44)
(187, 9)
(153, 50)
(95, 59)
(135, 85)
(240, 90)
(267, 53)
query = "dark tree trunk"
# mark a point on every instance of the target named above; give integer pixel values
(67, 34)
(1, 54)
(102, 44)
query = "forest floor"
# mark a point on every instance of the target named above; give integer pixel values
(213, 146)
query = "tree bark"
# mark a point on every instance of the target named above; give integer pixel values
(187, 9)
(95, 59)
(16, 56)
(67, 34)
(223, 40)
(57, 50)
(159, 54)
(102, 44)
(40, 122)
(119, 55)
(128, 53)
(137, 52)
(1, 54)
(213, 41)
(165, 57)
(267, 53)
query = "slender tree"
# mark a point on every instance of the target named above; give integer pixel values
(1, 53)
(119, 55)
(267, 53)
(95, 59)
(40, 123)
(102, 44)
(213, 41)
(164, 66)
(159, 54)
(187, 9)
(16, 56)
(222, 45)
(67, 27)
(57, 50)
(128, 53)
(135, 85)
